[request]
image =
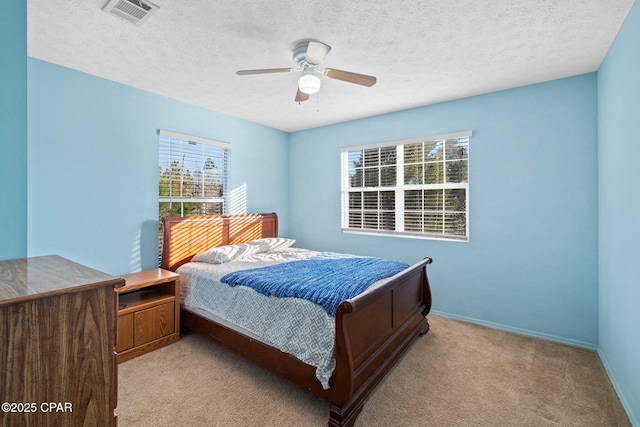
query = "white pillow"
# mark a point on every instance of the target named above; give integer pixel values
(269, 244)
(222, 254)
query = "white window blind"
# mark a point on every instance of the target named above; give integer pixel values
(412, 188)
(193, 175)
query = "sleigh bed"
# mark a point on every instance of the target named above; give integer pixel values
(372, 329)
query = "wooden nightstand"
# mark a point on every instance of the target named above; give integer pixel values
(148, 312)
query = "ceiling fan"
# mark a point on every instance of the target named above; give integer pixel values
(308, 55)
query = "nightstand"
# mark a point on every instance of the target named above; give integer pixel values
(148, 312)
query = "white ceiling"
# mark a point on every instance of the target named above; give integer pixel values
(421, 51)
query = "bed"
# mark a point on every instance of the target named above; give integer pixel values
(372, 329)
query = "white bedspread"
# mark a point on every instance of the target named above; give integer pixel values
(295, 326)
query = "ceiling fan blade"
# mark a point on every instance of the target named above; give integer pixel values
(263, 71)
(316, 52)
(301, 96)
(348, 76)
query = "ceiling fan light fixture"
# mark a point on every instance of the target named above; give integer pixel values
(309, 84)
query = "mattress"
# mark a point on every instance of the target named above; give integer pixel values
(292, 325)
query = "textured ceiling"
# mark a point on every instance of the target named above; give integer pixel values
(421, 51)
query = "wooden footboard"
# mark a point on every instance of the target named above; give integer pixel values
(373, 330)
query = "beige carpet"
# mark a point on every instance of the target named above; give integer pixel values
(459, 374)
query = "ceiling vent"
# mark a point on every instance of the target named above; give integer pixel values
(133, 11)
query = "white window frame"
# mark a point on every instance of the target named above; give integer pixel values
(179, 198)
(400, 188)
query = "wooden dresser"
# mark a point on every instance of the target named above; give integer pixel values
(57, 339)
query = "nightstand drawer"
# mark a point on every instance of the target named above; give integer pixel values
(154, 323)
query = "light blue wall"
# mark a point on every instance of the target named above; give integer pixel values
(531, 262)
(13, 128)
(93, 166)
(619, 213)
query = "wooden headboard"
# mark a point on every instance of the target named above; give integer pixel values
(183, 237)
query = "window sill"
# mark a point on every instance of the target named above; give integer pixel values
(405, 235)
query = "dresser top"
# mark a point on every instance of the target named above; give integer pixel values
(31, 278)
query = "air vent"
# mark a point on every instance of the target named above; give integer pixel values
(133, 11)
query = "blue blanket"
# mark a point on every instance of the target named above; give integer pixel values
(326, 279)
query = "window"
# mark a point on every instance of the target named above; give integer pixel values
(193, 175)
(412, 188)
